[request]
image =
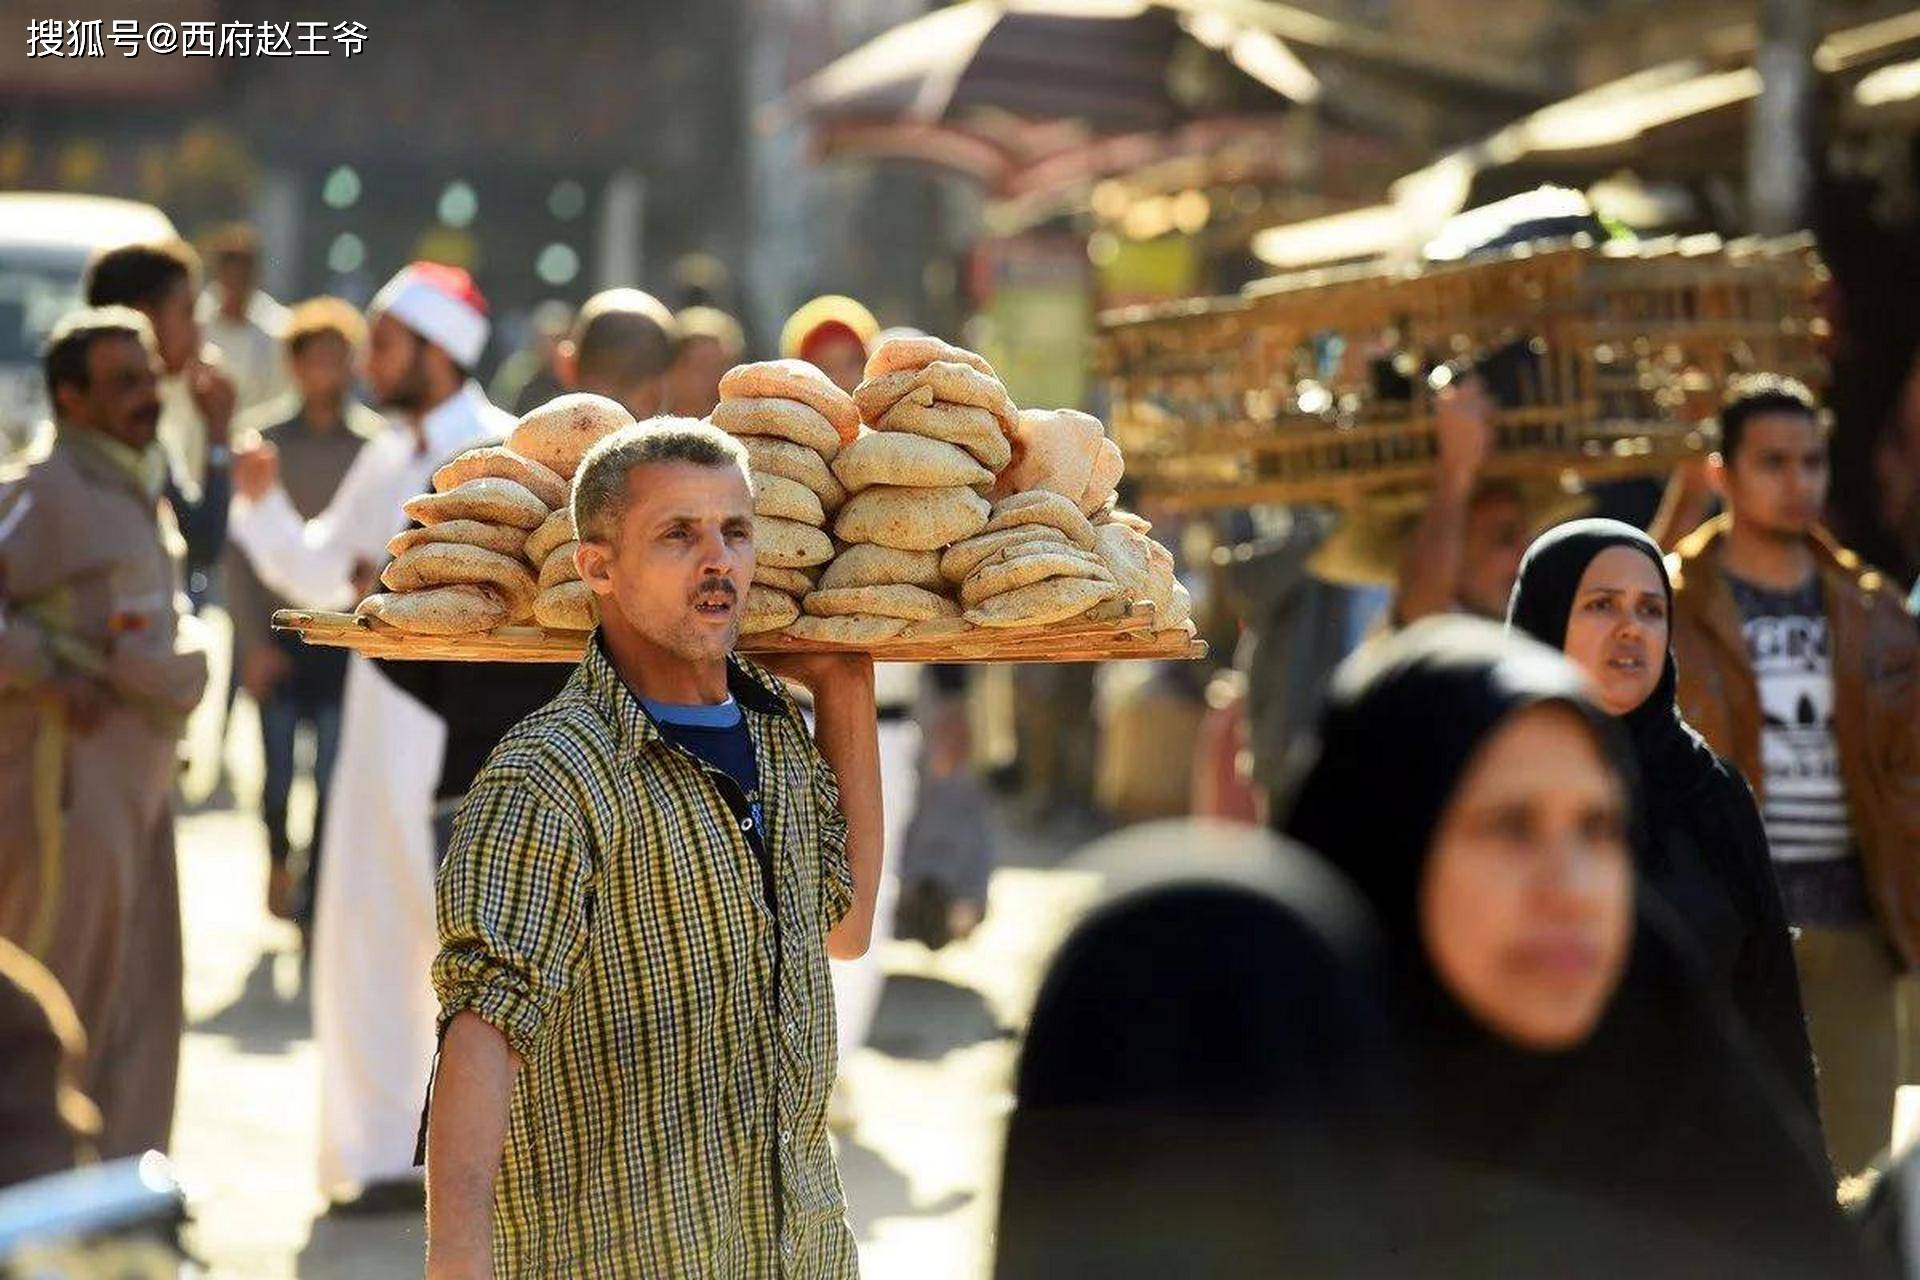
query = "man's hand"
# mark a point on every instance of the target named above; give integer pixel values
(1463, 430)
(264, 667)
(82, 699)
(821, 674)
(214, 395)
(256, 470)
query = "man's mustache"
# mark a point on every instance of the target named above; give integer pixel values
(716, 587)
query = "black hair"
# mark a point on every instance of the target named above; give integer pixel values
(1751, 397)
(139, 275)
(63, 361)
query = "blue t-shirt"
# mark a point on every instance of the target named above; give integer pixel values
(718, 736)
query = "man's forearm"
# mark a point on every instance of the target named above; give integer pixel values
(846, 729)
(1430, 566)
(466, 1133)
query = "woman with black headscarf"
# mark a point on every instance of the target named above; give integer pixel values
(1598, 590)
(1197, 1073)
(1575, 1101)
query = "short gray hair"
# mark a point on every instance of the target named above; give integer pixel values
(600, 490)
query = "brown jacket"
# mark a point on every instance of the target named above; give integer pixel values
(1876, 705)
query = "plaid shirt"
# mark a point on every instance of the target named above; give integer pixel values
(601, 906)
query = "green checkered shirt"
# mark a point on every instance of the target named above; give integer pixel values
(602, 907)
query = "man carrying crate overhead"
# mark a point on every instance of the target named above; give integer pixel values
(373, 920)
(636, 912)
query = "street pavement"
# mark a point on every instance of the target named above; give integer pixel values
(930, 1089)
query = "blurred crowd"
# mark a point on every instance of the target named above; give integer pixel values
(1598, 909)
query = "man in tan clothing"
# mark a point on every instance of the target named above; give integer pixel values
(1798, 664)
(95, 685)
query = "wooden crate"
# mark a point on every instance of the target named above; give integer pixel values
(1313, 387)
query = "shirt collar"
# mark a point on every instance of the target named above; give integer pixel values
(145, 470)
(750, 686)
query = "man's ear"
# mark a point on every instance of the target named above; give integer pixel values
(566, 361)
(594, 560)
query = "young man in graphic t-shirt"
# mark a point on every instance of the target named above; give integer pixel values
(1797, 663)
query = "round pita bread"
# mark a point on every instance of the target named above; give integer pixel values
(499, 461)
(559, 566)
(788, 499)
(896, 354)
(786, 419)
(794, 582)
(911, 519)
(489, 500)
(1109, 465)
(903, 458)
(911, 603)
(773, 456)
(866, 564)
(554, 530)
(1137, 523)
(936, 629)
(972, 429)
(793, 380)
(571, 606)
(1053, 449)
(1042, 603)
(1042, 506)
(788, 544)
(767, 610)
(1125, 554)
(945, 380)
(1177, 608)
(460, 610)
(558, 434)
(847, 631)
(1009, 572)
(962, 558)
(445, 564)
(504, 538)
(1160, 577)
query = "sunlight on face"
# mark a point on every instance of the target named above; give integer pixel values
(1617, 632)
(1526, 906)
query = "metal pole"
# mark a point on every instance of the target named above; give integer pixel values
(1781, 138)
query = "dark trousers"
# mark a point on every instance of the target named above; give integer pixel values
(280, 720)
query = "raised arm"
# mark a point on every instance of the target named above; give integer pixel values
(1431, 565)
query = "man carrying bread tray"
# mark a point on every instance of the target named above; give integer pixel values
(636, 912)
(373, 917)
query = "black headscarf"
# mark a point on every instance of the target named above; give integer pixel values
(1654, 1147)
(1703, 826)
(1199, 1052)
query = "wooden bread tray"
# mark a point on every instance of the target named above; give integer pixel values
(1122, 640)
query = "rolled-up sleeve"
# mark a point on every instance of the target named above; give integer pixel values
(836, 873)
(512, 907)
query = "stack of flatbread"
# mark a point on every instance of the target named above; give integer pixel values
(1037, 562)
(794, 422)
(1066, 452)
(1143, 568)
(495, 538)
(938, 420)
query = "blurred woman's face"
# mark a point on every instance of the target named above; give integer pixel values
(1617, 632)
(1526, 907)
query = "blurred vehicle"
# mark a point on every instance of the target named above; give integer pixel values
(45, 242)
(116, 1221)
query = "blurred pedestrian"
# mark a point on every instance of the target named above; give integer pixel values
(373, 918)
(1597, 589)
(1799, 665)
(834, 333)
(1201, 1072)
(97, 678)
(241, 320)
(635, 918)
(710, 343)
(197, 397)
(297, 687)
(531, 376)
(621, 346)
(1577, 1102)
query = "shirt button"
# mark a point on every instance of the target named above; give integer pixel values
(746, 824)
(786, 1247)
(786, 1137)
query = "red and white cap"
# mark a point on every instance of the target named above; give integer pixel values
(441, 304)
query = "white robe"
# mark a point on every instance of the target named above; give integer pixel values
(374, 937)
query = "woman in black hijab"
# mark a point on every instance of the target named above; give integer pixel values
(1575, 1101)
(1199, 1057)
(1598, 590)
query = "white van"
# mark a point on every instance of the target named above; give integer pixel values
(46, 240)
